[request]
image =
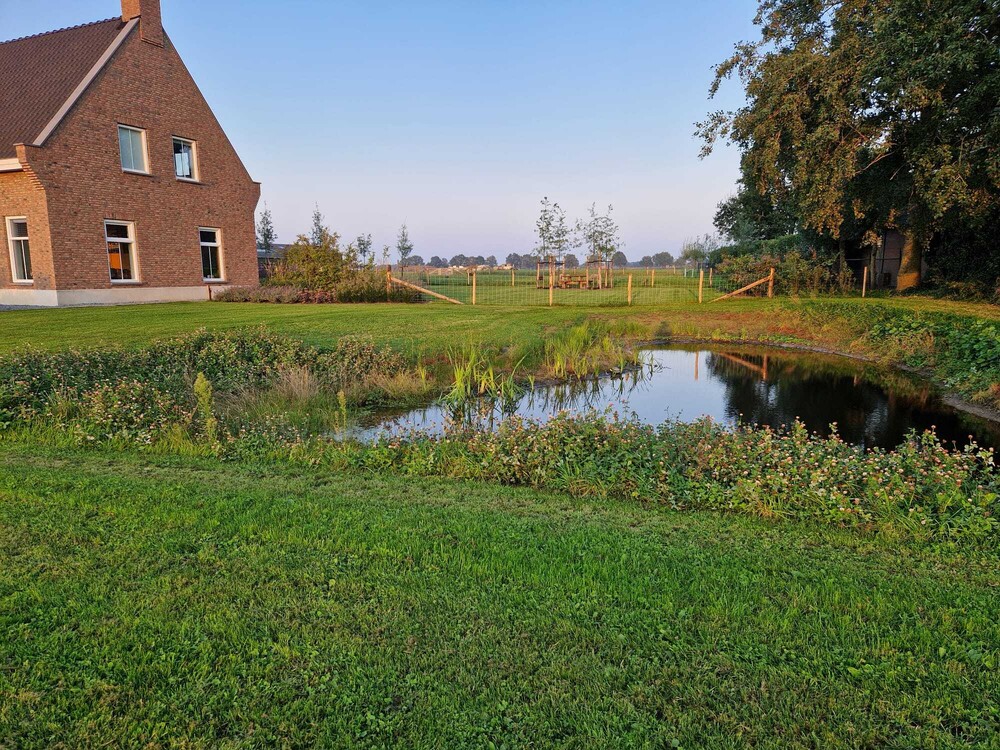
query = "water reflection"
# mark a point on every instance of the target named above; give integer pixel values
(870, 406)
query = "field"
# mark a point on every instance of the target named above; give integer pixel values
(517, 288)
(160, 600)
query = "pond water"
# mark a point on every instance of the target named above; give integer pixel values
(871, 406)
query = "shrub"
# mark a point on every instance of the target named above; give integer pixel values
(921, 490)
(795, 273)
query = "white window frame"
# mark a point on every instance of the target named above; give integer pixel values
(195, 171)
(219, 253)
(145, 149)
(10, 244)
(130, 241)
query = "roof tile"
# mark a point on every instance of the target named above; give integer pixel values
(38, 74)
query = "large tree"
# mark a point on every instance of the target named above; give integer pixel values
(871, 114)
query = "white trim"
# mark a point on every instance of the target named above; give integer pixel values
(145, 149)
(133, 256)
(118, 295)
(10, 165)
(85, 83)
(221, 278)
(195, 171)
(8, 227)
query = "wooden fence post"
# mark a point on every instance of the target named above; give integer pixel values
(652, 281)
(388, 283)
(770, 284)
(512, 278)
(473, 287)
(864, 283)
(711, 272)
(701, 284)
(630, 289)
(551, 287)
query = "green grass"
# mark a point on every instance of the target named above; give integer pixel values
(432, 328)
(189, 603)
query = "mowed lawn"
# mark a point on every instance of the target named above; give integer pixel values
(154, 602)
(434, 328)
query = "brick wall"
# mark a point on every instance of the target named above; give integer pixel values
(21, 195)
(145, 86)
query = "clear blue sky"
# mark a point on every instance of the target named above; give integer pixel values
(457, 117)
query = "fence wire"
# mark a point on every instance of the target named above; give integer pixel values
(581, 287)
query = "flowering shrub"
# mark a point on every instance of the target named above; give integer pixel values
(132, 411)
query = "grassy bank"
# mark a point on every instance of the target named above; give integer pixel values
(168, 601)
(958, 343)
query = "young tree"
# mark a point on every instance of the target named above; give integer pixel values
(404, 247)
(599, 234)
(866, 115)
(266, 236)
(554, 237)
(365, 250)
(319, 234)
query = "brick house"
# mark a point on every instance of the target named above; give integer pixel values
(117, 183)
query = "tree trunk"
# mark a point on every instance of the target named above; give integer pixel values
(911, 258)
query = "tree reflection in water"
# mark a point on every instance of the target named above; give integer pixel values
(871, 406)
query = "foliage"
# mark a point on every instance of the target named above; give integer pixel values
(921, 490)
(404, 246)
(599, 235)
(266, 236)
(366, 252)
(554, 237)
(868, 115)
(795, 274)
(311, 265)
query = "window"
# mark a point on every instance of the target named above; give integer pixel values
(185, 167)
(120, 237)
(20, 252)
(132, 142)
(211, 255)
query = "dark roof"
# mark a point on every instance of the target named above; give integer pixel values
(38, 74)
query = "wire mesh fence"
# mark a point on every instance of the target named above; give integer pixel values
(586, 287)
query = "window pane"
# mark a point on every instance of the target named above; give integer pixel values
(208, 235)
(183, 159)
(210, 262)
(138, 153)
(120, 261)
(133, 154)
(125, 146)
(22, 260)
(19, 229)
(119, 231)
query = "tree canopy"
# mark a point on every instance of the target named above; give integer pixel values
(867, 115)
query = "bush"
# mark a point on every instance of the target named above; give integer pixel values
(921, 490)
(363, 285)
(267, 293)
(795, 274)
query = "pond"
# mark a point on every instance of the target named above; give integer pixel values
(871, 406)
